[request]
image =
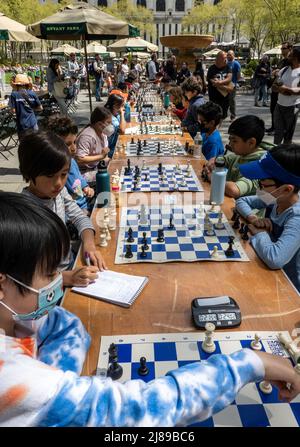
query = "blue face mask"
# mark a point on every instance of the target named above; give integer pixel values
(48, 296)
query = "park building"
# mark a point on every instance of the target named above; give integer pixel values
(168, 15)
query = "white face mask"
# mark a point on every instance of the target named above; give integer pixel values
(267, 197)
(108, 130)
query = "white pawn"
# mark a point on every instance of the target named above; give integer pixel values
(183, 182)
(208, 344)
(102, 238)
(213, 207)
(219, 225)
(256, 344)
(215, 254)
(144, 164)
(210, 229)
(265, 387)
(201, 208)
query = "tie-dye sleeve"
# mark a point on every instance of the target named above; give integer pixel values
(63, 341)
(189, 394)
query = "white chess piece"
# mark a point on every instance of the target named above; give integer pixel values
(265, 387)
(290, 346)
(208, 344)
(213, 207)
(143, 216)
(144, 164)
(210, 229)
(108, 236)
(215, 254)
(220, 225)
(256, 344)
(102, 239)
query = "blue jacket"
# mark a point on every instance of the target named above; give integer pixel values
(191, 119)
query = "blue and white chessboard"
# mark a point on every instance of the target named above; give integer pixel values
(187, 242)
(152, 181)
(166, 352)
(153, 118)
(167, 149)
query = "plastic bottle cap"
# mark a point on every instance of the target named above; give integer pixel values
(102, 165)
(220, 162)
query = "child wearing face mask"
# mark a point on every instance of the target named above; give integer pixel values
(44, 161)
(40, 382)
(115, 104)
(276, 237)
(92, 143)
(76, 185)
(210, 115)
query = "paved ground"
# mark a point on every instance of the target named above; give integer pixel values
(11, 180)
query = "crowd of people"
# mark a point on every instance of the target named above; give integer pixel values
(59, 165)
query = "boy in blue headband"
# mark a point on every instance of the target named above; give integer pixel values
(276, 237)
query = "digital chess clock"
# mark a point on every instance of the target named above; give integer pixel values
(222, 311)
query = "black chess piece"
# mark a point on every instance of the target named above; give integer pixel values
(230, 252)
(158, 148)
(160, 235)
(234, 214)
(146, 177)
(241, 230)
(143, 254)
(160, 168)
(145, 143)
(171, 225)
(128, 166)
(132, 140)
(130, 237)
(236, 223)
(128, 253)
(115, 370)
(143, 369)
(245, 236)
(187, 145)
(134, 186)
(113, 351)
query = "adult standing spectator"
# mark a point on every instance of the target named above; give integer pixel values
(73, 66)
(151, 68)
(183, 74)
(170, 72)
(236, 75)
(261, 77)
(55, 77)
(288, 104)
(219, 77)
(286, 48)
(2, 81)
(124, 69)
(99, 68)
(199, 73)
(192, 90)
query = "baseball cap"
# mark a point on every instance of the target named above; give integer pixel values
(268, 167)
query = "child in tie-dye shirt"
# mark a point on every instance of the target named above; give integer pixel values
(42, 347)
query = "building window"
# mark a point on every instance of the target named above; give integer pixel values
(179, 5)
(157, 34)
(163, 30)
(176, 29)
(102, 2)
(170, 29)
(141, 3)
(160, 5)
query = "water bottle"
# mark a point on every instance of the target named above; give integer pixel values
(218, 180)
(102, 185)
(166, 100)
(127, 113)
(198, 146)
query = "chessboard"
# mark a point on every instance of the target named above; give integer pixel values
(153, 178)
(150, 148)
(176, 233)
(166, 352)
(153, 118)
(155, 129)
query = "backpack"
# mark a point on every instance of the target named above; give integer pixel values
(91, 69)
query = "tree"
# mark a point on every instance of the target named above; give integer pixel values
(29, 11)
(285, 18)
(138, 16)
(201, 17)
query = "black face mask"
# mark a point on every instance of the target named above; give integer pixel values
(205, 129)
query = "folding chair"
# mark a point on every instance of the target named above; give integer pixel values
(8, 132)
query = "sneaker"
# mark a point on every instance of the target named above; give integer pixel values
(257, 105)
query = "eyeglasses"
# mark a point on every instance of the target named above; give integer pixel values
(262, 186)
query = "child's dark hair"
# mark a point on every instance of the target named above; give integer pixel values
(122, 86)
(191, 85)
(211, 111)
(32, 238)
(114, 100)
(288, 156)
(62, 126)
(248, 126)
(42, 153)
(100, 114)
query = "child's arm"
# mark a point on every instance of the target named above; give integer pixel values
(189, 394)
(277, 254)
(246, 205)
(63, 341)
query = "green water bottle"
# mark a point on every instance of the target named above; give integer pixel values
(102, 185)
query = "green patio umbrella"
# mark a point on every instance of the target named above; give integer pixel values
(81, 21)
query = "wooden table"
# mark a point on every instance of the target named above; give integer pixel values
(267, 299)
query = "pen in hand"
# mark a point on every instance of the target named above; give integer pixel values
(87, 259)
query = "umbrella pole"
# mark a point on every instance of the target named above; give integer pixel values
(87, 72)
